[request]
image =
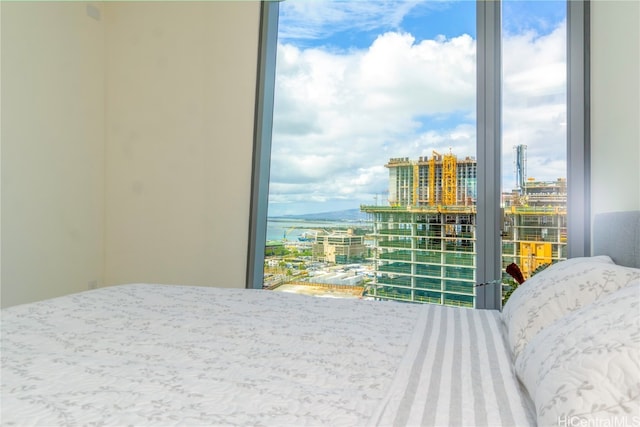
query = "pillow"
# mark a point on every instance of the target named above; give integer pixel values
(584, 369)
(558, 290)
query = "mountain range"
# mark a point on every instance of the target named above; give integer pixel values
(344, 215)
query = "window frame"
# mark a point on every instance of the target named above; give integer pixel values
(488, 151)
(488, 144)
(578, 129)
(263, 126)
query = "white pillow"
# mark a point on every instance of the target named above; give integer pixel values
(557, 291)
(585, 368)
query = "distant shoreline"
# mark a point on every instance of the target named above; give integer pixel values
(289, 228)
(297, 219)
(348, 215)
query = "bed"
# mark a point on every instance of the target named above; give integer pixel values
(565, 349)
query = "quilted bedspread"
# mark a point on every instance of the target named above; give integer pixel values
(198, 356)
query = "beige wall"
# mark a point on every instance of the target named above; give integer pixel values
(180, 105)
(52, 150)
(126, 144)
(615, 105)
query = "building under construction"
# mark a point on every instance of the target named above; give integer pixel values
(424, 246)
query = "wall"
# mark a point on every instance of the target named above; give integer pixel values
(615, 105)
(127, 135)
(180, 107)
(52, 150)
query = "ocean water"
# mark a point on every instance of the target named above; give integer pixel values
(280, 229)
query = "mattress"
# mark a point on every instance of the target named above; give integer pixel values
(178, 355)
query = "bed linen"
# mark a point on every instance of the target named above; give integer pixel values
(457, 371)
(178, 355)
(557, 291)
(586, 368)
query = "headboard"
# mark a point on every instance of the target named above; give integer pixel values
(617, 234)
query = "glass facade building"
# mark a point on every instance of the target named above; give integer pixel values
(424, 240)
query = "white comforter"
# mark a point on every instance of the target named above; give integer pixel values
(178, 355)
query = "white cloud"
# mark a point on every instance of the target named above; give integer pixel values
(534, 103)
(408, 78)
(340, 116)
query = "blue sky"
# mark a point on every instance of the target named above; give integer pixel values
(423, 19)
(359, 82)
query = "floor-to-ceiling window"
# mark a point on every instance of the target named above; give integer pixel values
(386, 123)
(373, 158)
(534, 134)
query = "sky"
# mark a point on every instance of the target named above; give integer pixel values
(359, 82)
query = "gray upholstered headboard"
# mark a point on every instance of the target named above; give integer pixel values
(617, 234)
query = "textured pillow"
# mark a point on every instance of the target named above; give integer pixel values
(585, 368)
(557, 291)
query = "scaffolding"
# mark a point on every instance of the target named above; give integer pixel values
(449, 183)
(432, 181)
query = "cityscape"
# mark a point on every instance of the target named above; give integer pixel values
(366, 100)
(420, 245)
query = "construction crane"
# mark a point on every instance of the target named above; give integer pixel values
(286, 233)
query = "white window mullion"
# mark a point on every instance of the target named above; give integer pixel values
(578, 134)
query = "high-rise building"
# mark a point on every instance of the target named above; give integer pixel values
(340, 247)
(534, 230)
(424, 240)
